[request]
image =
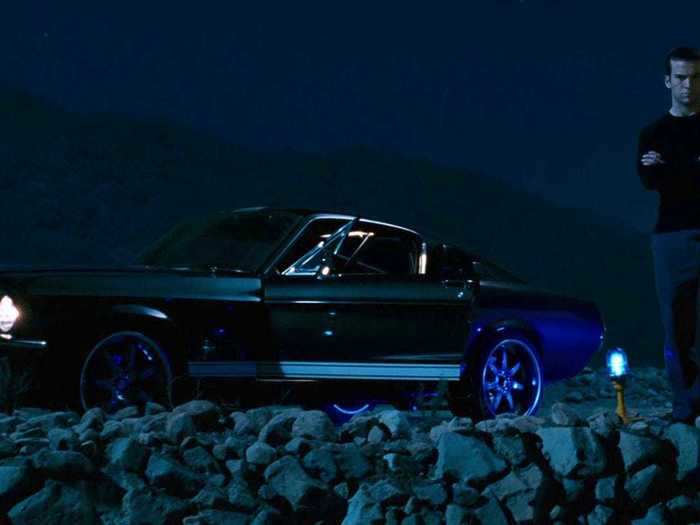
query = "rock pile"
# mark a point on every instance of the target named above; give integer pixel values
(199, 465)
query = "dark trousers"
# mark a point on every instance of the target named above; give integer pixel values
(676, 271)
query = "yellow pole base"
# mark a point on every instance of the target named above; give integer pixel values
(621, 409)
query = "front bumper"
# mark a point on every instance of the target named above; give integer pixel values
(7, 342)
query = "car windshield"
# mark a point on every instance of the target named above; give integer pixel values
(241, 240)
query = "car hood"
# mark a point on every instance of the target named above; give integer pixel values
(129, 281)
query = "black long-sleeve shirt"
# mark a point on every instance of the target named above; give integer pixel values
(677, 139)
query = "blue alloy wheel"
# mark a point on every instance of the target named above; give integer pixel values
(125, 368)
(510, 379)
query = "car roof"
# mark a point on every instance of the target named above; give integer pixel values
(308, 212)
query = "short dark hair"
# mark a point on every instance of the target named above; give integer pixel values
(681, 53)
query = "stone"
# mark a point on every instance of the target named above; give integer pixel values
(601, 515)
(201, 461)
(376, 435)
(131, 411)
(110, 430)
(461, 425)
(658, 515)
(563, 414)
(363, 510)
(647, 485)
(467, 458)
(455, 515)
(268, 516)
(686, 441)
(524, 492)
(431, 492)
(62, 464)
(243, 425)
(278, 430)
(388, 492)
(217, 517)
(573, 451)
(204, 414)
(128, 454)
(463, 494)
(240, 496)
(321, 463)
(211, 497)
(512, 448)
(638, 451)
(287, 477)
(298, 446)
(179, 426)
(149, 507)
(237, 467)
(93, 418)
(684, 509)
(574, 489)
(314, 424)
(16, 483)
(260, 454)
(606, 490)
(55, 503)
(352, 462)
(396, 423)
(166, 473)
(491, 513)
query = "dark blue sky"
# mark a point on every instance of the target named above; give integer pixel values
(547, 94)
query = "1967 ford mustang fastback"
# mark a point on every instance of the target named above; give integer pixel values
(286, 295)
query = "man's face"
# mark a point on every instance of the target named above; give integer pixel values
(684, 82)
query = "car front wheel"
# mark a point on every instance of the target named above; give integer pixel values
(125, 368)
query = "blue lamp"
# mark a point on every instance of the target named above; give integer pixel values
(618, 368)
(617, 363)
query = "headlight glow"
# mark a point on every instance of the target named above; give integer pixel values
(8, 314)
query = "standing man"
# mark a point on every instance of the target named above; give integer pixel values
(668, 161)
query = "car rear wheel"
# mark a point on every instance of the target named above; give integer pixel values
(125, 368)
(508, 378)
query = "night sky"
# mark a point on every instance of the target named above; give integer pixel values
(546, 94)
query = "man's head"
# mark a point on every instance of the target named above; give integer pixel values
(683, 77)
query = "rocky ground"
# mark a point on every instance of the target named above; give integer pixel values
(199, 464)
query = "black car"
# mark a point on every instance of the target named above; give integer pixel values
(286, 295)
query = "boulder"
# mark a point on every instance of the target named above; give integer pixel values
(363, 510)
(287, 477)
(166, 473)
(57, 504)
(314, 424)
(573, 451)
(469, 459)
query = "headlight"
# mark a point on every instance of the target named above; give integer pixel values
(8, 314)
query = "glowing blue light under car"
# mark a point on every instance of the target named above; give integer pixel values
(351, 412)
(617, 362)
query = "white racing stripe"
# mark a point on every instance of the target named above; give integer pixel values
(324, 370)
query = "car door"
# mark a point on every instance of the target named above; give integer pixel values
(361, 312)
(301, 323)
(387, 308)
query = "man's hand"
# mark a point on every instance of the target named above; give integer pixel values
(652, 158)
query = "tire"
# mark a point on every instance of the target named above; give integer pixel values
(126, 368)
(495, 386)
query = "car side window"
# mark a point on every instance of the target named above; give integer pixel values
(378, 249)
(445, 261)
(299, 258)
